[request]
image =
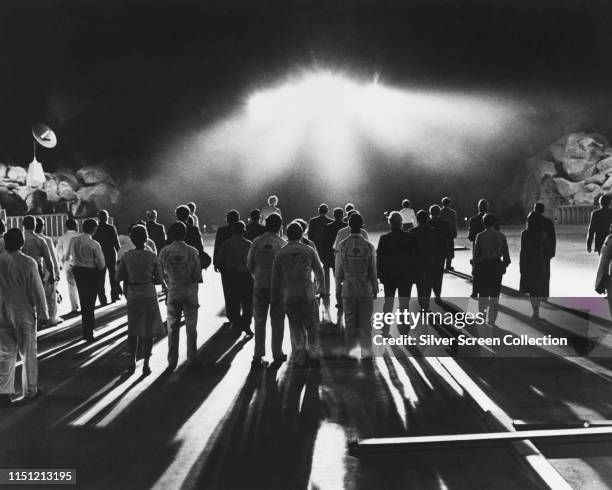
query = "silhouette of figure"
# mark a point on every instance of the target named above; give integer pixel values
(450, 216)
(533, 259)
(329, 259)
(193, 237)
(50, 281)
(599, 224)
(259, 262)
(22, 300)
(223, 234)
(140, 270)
(271, 208)
(356, 272)
(551, 244)
(106, 236)
(395, 264)
(254, 228)
(408, 216)
(425, 257)
(442, 246)
(490, 260)
(195, 221)
(37, 248)
(292, 285)
(237, 280)
(63, 254)
(2, 232)
(155, 230)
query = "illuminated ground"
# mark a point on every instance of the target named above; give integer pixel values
(226, 427)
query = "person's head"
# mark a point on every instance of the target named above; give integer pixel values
(302, 223)
(488, 220)
(177, 232)
(395, 220)
(151, 215)
(323, 208)
(294, 231)
(604, 201)
(355, 222)
(238, 228)
(71, 224)
(405, 203)
(29, 223)
(255, 216)
(538, 208)
(13, 240)
(2, 227)
(434, 211)
(483, 206)
(182, 213)
(532, 220)
(103, 216)
(40, 225)
(348, 207)
(139, 236)
(90, 226)
(192, 207)
(422, 217)
(272, 200)
(232, 217)
(446, 202)
(274, 223)
(338, 214)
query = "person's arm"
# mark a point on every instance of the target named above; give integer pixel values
(121, 274)
(275, 295)
(196, 270)
(522, 254)
(591, 232)
(158, 276)
(471, 234)
(317, 267)
(455, 225)
(339, 268)
(36, 291)
(476, 250)
(380, 253)
(99, 257)
(47, 257)
(164, 237)
(552, 241)
(251, 259)
(372, 271)
(603, 271)
(53, 253)
(505, 251)
(115, 238)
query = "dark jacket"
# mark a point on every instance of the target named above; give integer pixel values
(599, 227)
(443, 244)
(476, 226)
(106, 236)
(193, 238)
(331, 231)
(253, 230)
(317, 233)
(157, 233)
(450, 216)
(548, 227)
(425, 238)
(395, 257)
(223, 234)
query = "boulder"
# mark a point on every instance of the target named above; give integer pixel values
(95, 174)
(66, 192)
(17, 174)
(587, 197)
(604, 165)
(12, 203)
(568, 189)
(591, 187)
(3, 170)
(538, 168)
(607, 185)
(578, 154)
(68, 176)
(102, 196)
(598, 179)
(51, 188)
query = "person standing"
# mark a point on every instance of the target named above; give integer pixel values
(223, 234)
(236, 278)
(195, 221)
(259, 262)
(476, 224)
(442, 245)
(140, 270)
(599, 224)
(489, 261)
(293, 287)
(356, 272)
(450, 216)
(63, 253)
(254, 228)
(155, 230)
(425, 258)
(2, 232)
(329, 257)
(271, 208)
(408, 216)
(317, 234)
(182, 273)
(22, 303)
(533, 259)
(344, 232)
(36, 248)
(193, 237)
(395, 265)
(106, 236)
(50, 281)
(551, 244)
(89, 264)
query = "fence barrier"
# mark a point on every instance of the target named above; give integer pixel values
(54, 223)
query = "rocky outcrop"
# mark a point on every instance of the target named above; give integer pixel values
(83, 193)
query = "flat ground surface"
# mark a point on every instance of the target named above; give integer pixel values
(225, 426)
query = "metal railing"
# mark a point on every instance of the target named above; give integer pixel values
(576, 214)
(54, 223)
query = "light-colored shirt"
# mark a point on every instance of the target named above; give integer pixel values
(63, 245)
(141, 269)
(356, 268)
(35, 247)
(292, 272)
(267, 211)
(343, 234)
(126, 244)
(180, 265)
(21, 289)
(86, 252)
(52, 253)
(408, 216)
(491, 244)
(261, 257)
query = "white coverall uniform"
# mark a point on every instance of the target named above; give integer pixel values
(63, 253)
(356, 273)
(182, 272)
(49, 284)
(292, 284)
(259, 262)
(22, 298)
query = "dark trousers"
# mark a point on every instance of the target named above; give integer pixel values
(144, 344)
(115, 289)
(238, 287)
(436, 273)
(423, 286)
(87, 281)
(450, 256)
(403, 291)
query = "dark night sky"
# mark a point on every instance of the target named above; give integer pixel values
(118, 79)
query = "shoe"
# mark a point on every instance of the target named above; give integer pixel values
(88, 338)
(146, 370)
(247, 330)
(5, 401)
(258, 363)
(438, 300)
(131, 368)
(169, 370)
(54, 322)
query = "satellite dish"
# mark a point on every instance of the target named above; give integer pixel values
(44, 135)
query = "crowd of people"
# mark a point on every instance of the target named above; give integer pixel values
(267, 270)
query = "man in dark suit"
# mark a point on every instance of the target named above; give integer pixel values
(193, 237)
(106, 236)
(328, 257)
(449, 215)
(599, 225)
(425, 238)
(395, 265)
(254, 228)
(156, 231)
(476, 225)
(223, 234)
(317, 234)
(548, 227)
(442, 246)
